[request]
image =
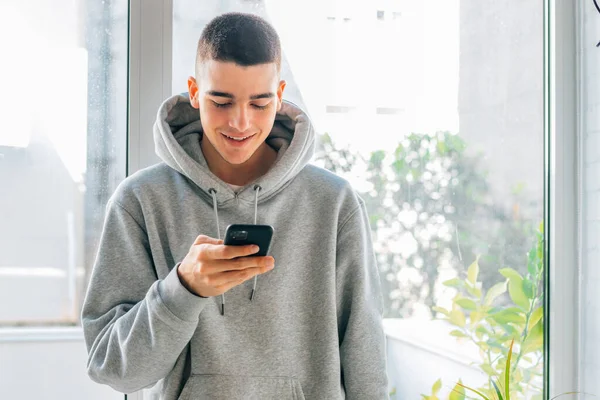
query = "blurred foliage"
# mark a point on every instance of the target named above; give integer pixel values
(500, 332)
(430, 208)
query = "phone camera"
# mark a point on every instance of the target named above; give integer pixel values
(239, 235)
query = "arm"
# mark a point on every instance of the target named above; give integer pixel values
(360, 311)
(135, 326)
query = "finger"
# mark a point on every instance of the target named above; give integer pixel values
(225, 252)
(220, 266)
(231, 277)
(207, 239)
(230, 285)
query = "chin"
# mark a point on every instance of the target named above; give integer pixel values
(236, 159)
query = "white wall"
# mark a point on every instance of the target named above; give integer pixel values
(421, 352)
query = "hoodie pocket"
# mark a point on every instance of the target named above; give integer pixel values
(228, 387)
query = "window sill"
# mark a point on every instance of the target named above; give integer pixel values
(41, 334)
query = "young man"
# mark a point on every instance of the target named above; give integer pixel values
(234, 151)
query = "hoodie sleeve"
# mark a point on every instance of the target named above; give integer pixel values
(135, 326)
(360, 311)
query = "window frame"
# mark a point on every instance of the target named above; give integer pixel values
(562, 205)
(150, 62)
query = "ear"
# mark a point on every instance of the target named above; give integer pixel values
(193, 92)
(280, 90)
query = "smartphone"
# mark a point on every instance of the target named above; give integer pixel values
(240, 235)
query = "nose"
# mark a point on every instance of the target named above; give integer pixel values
(240, 119)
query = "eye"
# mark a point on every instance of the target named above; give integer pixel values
(259, 107)
(221, 105)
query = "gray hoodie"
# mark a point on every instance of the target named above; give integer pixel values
(313, 329)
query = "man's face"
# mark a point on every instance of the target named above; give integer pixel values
(237, 106)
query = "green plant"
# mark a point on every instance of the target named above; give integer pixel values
(501, 392)
(433, 194)
(458, 392)
(496, 329)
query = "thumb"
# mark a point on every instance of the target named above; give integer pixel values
(203, 239)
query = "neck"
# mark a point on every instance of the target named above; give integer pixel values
(240, 174)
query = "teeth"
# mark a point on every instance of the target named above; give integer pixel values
(238, 139)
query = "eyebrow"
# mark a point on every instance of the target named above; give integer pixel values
(230, 96)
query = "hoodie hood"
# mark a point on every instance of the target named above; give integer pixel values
(178, 132)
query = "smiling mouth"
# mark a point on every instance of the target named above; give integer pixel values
(237, 139)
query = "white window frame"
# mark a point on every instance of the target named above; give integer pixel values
(150, 75)
(562, 196)
(150, 82)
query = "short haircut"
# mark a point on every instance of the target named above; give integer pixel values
(244, 39)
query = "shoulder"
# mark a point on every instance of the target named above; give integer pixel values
(144, 185)
(330, 188)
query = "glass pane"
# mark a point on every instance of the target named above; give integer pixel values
(434, 111)
(62, 149)
(590, 156)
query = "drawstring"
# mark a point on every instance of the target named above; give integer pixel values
(256, 190)
(213, 192)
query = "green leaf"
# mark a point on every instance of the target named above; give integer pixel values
(535, 339)
(441, 147)
(441, 310)
(476, 316)
(458, 318)
(511, 331)
(510, 273)
(528, 289)
(496, 310)
(494, 292)
(457, 333)
(473, 271)
(515, 289)
(436, 387)
(453, 283)
(539, 265)
(507, 316)
(536, 315)
(483, 330)
(458, 393)
(532, 263)
(483, 396)
(497, 389)
(507, 372)
(487, 368)
(467, 304)
(474, 291)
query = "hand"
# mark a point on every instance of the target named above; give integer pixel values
(211, 268)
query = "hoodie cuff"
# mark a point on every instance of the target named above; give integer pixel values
(180, 301)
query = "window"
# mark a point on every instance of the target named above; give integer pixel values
(62, 150)
(589, 153)
(423, 130)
